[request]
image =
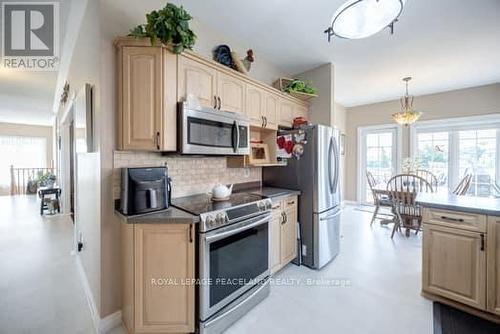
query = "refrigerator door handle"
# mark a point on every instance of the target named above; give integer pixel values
(337, 164)
(330, 217)
(330, 158)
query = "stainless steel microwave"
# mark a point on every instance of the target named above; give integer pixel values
(212, 132)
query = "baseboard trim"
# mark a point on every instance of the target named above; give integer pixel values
(349, 203)
(109, 322)
(105, 324)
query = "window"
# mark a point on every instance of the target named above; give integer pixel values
(432, 154)
(477, 154)
(379, 155)
(21, 152)
(461, 146)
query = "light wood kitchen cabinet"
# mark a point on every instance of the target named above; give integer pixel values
(231, 92)
(271, 110)
(197, 78)
(157, 260)
(286, 110)
(454, 264)
(141, 97)
(255, 105)
(283, 232)
(146, 117)
(289, 230)
(275, 235)
(300, 111)
(493, 265)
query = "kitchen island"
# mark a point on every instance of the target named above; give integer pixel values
(461, 252)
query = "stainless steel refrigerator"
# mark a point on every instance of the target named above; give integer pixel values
(317, 175)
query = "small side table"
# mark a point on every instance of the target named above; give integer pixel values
(45, 191)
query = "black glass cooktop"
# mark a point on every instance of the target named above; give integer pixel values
(202, 203)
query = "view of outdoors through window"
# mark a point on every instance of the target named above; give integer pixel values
(433, 155)
(379, 157)
(475, 153)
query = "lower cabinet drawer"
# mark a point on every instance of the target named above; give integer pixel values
(454, 219)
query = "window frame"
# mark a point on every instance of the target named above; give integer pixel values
(453, 126)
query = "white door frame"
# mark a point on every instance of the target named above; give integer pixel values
(397, 143)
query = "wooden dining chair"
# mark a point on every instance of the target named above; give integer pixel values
(463, 186)
(379, 200)
(403, 189)
(429, 177)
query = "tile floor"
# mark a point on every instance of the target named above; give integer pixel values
(39, 284)
(41, 291)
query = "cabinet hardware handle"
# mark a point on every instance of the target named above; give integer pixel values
(282, 218)
(262, 121)
(157, 140)
(215, 102)
(218, 99)
(291, 202)
(482, 242)
(276, 207)
(458, 220)
(190, 233)
(265, 121)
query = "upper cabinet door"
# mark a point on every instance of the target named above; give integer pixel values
(285, 113)
(198, 79)
(140, 100)
(231, 91)
(271, 110)
(300, 111)
(255, 105)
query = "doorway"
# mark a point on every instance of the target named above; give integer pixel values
(379, 152)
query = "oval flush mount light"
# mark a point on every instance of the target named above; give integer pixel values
(357, 19)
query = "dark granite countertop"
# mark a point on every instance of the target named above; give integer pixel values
(169, 216)
(481, 205)
(273, 192)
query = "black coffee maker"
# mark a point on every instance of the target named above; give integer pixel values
(145, 189)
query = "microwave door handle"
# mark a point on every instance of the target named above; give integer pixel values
(233, 136)
(237, 136)
(229, 233)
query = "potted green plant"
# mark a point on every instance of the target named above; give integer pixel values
(170, 25)
(303, 90)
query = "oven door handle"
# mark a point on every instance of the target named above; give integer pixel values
(226, 234)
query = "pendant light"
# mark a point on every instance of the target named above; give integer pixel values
(357, 19)
(407, 115)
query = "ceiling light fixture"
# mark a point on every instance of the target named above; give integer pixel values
(357, 19)
(407, 115)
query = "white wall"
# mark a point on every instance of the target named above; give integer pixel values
(458, 103)
(321, 109)
(81, 64)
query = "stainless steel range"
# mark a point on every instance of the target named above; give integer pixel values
(233, 256)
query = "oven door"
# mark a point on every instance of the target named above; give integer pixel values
(233, 259)
(218, 133)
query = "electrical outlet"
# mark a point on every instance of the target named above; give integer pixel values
(304, 250)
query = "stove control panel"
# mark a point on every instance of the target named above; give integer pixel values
(216, 219)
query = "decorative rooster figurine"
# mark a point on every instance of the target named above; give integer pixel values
(248, 60)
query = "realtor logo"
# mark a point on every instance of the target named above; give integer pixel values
(30, 36)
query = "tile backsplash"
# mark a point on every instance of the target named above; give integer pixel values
(190, 175)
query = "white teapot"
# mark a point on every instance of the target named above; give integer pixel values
(221, 191)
